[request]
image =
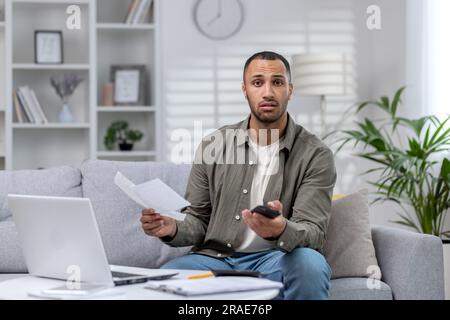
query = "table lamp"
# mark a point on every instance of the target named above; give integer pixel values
(322, 74)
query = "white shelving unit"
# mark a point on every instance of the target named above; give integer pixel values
(102, 41)
(122, 26)
(2, 86)
(126, 109)
(33, 66)
(51, 126)
(127, 154)
(53, 1)
(138, 47)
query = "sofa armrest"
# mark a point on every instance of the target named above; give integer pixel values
(411, 263)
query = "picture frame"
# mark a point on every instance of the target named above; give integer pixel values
(129, 83)
(48, 47)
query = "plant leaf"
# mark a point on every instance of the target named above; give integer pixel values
(396, 101)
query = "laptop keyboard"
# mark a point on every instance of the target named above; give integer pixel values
(117, 274)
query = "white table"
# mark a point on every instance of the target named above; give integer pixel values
(19, 288)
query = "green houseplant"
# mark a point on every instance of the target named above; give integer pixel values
(118, 132)
(410, 173)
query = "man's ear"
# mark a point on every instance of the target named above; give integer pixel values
(244, 91)
(291, 89)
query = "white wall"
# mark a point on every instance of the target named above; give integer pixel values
(382, 70)
(197, 69)
(203, 77)
(392, 57)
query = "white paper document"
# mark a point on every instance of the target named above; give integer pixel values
(154, 194)
(212, 285)
(99, 294)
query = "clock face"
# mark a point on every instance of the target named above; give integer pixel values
(218, 19)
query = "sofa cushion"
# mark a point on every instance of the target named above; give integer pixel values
(349, 248)
(118, 216)
(11, 257)
(358, 289)
(58, 181)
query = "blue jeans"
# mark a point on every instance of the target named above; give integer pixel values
(304, 271)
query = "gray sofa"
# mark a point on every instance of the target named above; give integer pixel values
(411, 263)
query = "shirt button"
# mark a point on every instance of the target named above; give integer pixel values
(281, 243)
(219, 254)
(229, 245)
(250, 162)
(237, 217)
(245, 191)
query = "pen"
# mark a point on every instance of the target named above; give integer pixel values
(203, 275)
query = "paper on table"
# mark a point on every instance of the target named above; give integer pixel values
(100, 294)
(153, 194)
(212, 285)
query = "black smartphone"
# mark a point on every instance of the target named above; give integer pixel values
(266, 211)
(237, 273)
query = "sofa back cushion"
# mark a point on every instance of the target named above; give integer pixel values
(59, 181)
(118, 216)
(62, 181)
(349, 248)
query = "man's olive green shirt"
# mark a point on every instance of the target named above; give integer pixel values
(219, 191)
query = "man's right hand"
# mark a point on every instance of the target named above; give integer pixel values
(156, 225)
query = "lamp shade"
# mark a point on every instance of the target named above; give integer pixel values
(322, 74)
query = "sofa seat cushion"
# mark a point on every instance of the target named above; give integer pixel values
(11, 257)
(357, 289)
(118, 216)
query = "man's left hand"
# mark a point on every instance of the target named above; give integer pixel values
(266, 227)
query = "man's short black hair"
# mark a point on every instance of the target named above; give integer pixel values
(268, 55)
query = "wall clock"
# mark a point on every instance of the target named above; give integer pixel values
(218, 19)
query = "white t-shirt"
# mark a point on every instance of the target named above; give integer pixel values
(267, 164)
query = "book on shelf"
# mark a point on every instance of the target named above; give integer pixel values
(131, 11)
(32, 105)
(27, 106)
(24, 106)
(21, 117)
(38, 107)
(142, 11)
(138, 11)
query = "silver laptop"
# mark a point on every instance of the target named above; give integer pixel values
(60, 239)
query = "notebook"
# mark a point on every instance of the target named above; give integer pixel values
(212, 285)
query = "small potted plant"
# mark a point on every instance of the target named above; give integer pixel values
(118, 132)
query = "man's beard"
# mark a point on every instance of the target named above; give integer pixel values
(266, 117)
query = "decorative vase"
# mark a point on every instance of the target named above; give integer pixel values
(65, 115)
(125, 146)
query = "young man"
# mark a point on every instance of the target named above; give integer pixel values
(283, 167)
